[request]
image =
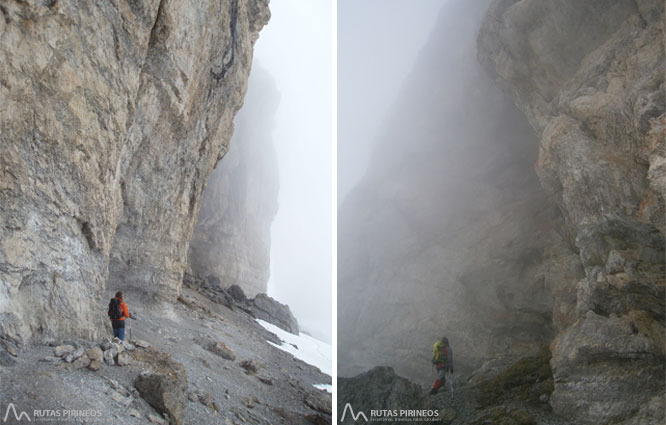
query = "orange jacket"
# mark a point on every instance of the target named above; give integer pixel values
(124, 312)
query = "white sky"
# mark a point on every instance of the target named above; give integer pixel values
(378, 42)
(295, 48)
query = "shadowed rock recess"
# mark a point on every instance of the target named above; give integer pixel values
(513, 229)
(112, 117)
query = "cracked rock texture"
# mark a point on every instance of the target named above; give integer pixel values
(112, 117)
(589, 77)
(507, 229)
(231, 240)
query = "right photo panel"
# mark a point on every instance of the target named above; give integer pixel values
(501, 184)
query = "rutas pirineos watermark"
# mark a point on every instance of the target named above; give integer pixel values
(13, 415)
(391, 415)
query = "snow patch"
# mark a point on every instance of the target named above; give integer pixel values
(327, 387)
(310, 350)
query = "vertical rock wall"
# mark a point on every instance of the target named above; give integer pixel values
(449, 233)
(112, 116)
(589, 76)
(232, 238)
(502, 238)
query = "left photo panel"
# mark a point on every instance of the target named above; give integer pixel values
(166, 212)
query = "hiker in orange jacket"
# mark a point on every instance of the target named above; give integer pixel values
(117, 313)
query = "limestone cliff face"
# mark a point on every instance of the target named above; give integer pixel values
(468, 225)
(590, 78)
(449, 233)
(112, 116)
(231, 240)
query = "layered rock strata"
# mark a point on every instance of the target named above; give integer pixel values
(589, 76)
(231, 240)
(470, 225)
(112, 117)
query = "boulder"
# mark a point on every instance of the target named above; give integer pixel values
(78, 353)
(237, 294)
(63, 350)
(123, 358)
(94, 353)
(81, 362)
(118, 346)
(141, 343)
(109, 357)
(266, 308)
(221, 350)
(95, 365)
(165, 386)
(380, 389)
(251, 366)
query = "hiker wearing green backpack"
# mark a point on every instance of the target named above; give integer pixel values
(442, 359)
(117, 313)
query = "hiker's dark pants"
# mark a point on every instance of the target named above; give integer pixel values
(118, 329)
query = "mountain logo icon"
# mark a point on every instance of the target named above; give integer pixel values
(351, 412)
(12, 408)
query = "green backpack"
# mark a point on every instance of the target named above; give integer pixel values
(440, 352)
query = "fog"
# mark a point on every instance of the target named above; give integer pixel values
(295, 48)
(378, 42)
(448, 186)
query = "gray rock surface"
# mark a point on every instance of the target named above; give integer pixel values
(113, 116)
(123, 358)
(81, 362)
(231, 240)
(506, 228)
(109, 357)
(31, 383)
(62, 350)
(6, 359)
(261, 306)
(94, 353)
(266, 308)
(589, 76)
(379, 389)
(165, 387)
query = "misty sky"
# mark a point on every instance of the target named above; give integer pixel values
(295, 48)
(378, 42)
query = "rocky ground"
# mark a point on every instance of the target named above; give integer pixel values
(201, 363)
(504, 391)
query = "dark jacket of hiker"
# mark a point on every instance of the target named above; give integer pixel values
(124, 312)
